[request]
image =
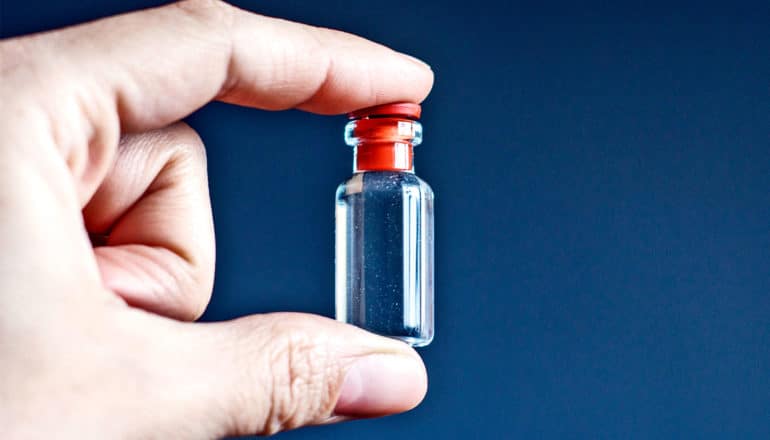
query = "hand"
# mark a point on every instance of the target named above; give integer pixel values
(93, 340)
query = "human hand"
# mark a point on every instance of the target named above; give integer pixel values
(93, 340)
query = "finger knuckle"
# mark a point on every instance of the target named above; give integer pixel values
(13, 54)
(206, 10)
(26, 86)
(302, 368)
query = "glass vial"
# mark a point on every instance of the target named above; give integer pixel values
(384, 229)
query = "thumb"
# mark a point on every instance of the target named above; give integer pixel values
(269, 373)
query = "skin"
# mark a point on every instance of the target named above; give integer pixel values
(97, 342)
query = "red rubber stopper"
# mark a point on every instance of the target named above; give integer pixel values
(408, 110)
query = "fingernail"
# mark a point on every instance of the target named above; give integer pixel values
(417, 61)
(381, 384)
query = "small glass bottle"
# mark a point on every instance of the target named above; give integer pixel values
(384, 229)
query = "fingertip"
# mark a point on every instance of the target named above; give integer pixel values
(370, 75)
(382, 384)
(426, 76)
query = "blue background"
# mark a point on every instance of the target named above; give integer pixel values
(603, 212)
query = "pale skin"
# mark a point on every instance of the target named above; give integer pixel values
(98, 342)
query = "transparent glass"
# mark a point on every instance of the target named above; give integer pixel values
(384, 236)
(384, 255)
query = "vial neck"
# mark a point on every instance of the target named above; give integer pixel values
(383, 143)
(383, 156)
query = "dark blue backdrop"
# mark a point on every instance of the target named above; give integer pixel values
(603, 212)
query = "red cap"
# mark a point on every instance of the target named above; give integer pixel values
(406, 110)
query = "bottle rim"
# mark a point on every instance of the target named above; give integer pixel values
(407, 110)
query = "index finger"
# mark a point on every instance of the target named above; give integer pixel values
(156, 66)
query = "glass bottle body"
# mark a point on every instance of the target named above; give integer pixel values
(384, 254)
